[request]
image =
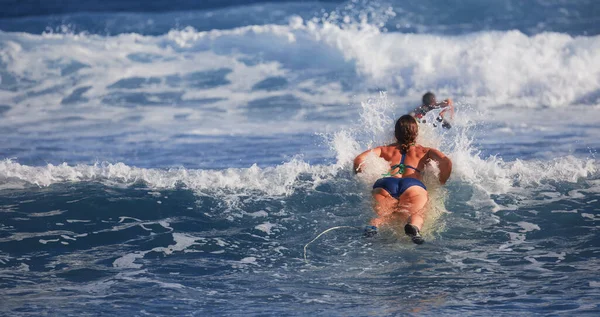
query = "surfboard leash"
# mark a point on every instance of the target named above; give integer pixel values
(366, 229)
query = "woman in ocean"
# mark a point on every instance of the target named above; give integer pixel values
(401, 192)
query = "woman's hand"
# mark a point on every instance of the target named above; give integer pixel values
(360, 159)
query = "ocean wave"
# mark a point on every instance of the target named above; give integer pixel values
(577, 17)
(235, 81)
(279, 180)
(492, 174)
(550, 69)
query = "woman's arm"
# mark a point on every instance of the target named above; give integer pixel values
(444, 163)
(360, 159)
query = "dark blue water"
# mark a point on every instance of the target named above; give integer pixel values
(577, 17)
(175, 158)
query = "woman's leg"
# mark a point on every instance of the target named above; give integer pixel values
(384, 206)
(413, 201)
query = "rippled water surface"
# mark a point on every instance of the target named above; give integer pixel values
(178, 158)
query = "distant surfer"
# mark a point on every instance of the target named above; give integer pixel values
(401, 192)
(430, 103)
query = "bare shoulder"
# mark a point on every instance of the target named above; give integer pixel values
(422, 150)
(435, 154)
(387, 151)
(388, 148)
(430, 153)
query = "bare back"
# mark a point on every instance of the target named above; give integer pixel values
(416, 156)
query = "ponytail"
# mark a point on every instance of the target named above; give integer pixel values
(406, 132)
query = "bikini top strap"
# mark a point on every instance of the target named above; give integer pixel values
(401, 167)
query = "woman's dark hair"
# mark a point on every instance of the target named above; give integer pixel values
(406, 132)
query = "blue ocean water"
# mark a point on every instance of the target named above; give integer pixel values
(174, 158)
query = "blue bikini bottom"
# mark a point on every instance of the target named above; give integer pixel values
(397, 186)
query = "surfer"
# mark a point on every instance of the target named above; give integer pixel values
(401, 192)
(429, 103)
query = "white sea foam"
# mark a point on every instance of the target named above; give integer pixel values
(492, 173)
(249, 260)
(127, 261)
(107, 80)
(527, 226)
(260, 213)
(47, 214)
(266, 227)
(279, 180)
(182, 242)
